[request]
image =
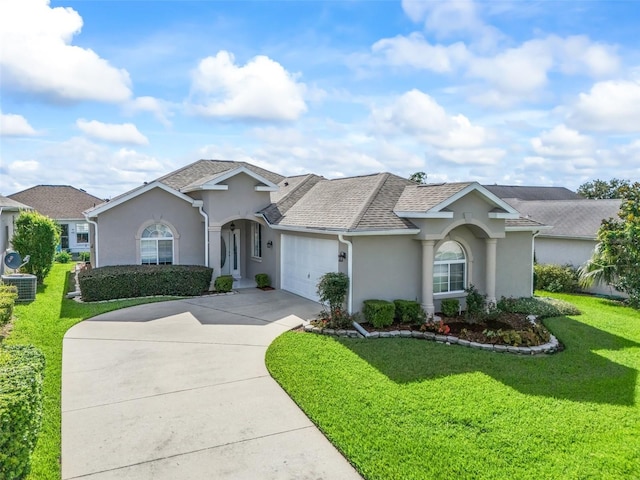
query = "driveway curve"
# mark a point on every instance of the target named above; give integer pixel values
(179, 390)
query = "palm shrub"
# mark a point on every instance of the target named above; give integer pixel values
(37, 236)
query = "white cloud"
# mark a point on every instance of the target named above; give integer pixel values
(562, 141)
(416, 113)
(159, 108)
(38, 56)
(610, 106)
(416, 52)
(261, 89)
(12, 125)
(126, 133)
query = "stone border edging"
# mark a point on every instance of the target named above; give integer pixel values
(359, 332)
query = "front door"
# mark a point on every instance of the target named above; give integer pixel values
(230, 252)
(64, 236)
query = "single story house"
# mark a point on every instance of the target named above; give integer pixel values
(64, 204)
(9, 211)
(572, 238)
(392, 237)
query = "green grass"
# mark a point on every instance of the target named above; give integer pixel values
(43, 323)
(412, 409)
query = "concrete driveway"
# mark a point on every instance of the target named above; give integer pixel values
(179, 390)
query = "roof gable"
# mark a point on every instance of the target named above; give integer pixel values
(9, 204)
(214, 182)
(432, 200)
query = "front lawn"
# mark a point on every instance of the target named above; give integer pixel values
(412, 409)
(43, 323)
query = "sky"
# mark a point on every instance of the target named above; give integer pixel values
(106, 95)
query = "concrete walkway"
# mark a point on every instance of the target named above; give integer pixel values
(179, 390)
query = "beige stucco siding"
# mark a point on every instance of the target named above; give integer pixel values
(386, 268)
(118, 227)
(563, 251)
(514, 275)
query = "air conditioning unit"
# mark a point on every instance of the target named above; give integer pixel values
(26, 284)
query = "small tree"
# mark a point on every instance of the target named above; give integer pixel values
(36, 236)
(613, 188)
(418, 177)
(332, 289)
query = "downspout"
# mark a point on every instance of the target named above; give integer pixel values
(533, 254)
(200, 204)
(95, 243)
(349, 271)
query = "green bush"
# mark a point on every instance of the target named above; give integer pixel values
(84, 256)
(223, 284)
(37, 236)
(21, 371)
(556, 278)
(539, 306)
(332, 289)
(63, 257)
(476, 303)
(8, 296)
(379, 313)
(409, 311)
(263, 280)
(127, 281)
(450, 307)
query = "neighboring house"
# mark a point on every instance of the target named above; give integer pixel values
(572, 237)
(9, 211)
(64, 204)
(392, 237)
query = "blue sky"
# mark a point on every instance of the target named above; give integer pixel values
(105, 95)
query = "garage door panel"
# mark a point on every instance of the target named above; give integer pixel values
(304, 261)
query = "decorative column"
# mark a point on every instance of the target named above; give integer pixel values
(491, 270)
(427, 277)
(214, 250)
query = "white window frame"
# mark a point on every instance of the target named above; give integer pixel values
(448, 263)
(156, 240)
(256, 240)
(82, 229)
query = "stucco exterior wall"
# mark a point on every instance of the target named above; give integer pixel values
(118, 227)
(562, 251)
(514, 277)
(386, 268)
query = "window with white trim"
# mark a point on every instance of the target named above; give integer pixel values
(449, 268)
(256, 240)
(156, 245)
(82, 233)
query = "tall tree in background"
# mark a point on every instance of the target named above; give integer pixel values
(37, 236)
(616, 260)
(613, 188)
(418, 177)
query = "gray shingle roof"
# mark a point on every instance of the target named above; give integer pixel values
(201, 170)
(569, 218)
(59, 202)
(532, 193)
(347, 204)
(523, 222)
(13, 205)
(420, 198)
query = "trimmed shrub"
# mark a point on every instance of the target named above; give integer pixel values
(223, 284)
(8, 296)
(556, 278)
(84, 256)
(21, 371)
(379, 313)
(539, 306)
(332, 289)
(263, 280)
(450, 307)
(63, 257)
(127, 281)
(37, 236)
(409, 311)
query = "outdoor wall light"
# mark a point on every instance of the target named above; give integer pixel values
(269, 244)
(232, 227)
(342, 256)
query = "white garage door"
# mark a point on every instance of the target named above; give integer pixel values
(304, 261)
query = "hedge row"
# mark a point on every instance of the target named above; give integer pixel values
(8, 295)
(21, 371)
(127, 281)
(556, 278)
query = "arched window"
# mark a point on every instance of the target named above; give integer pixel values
(449, 269)
(156, 245)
